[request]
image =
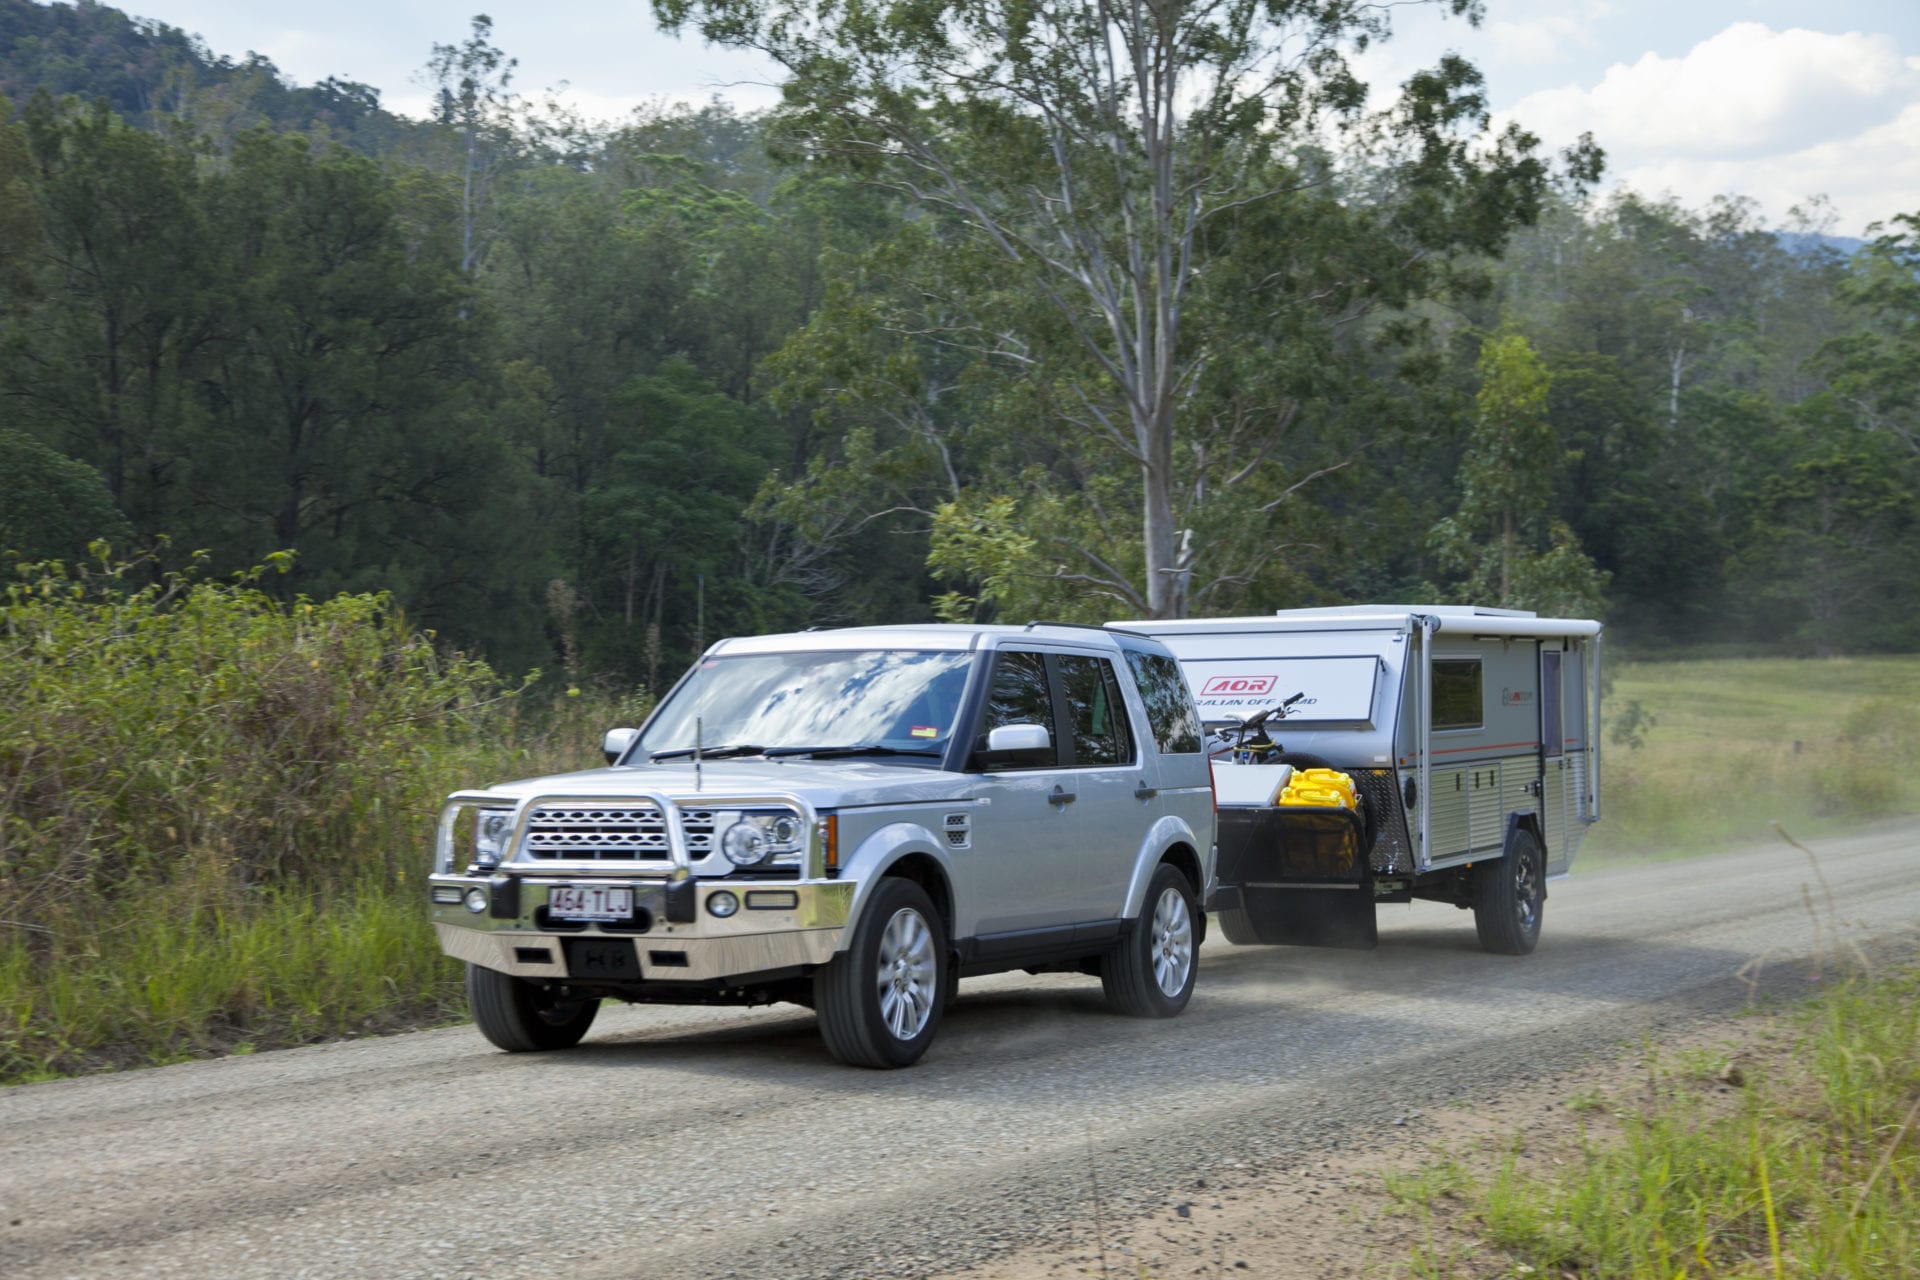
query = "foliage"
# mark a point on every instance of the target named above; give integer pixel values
(52, 507)
(1101, 183)
(214, 808)
(465, 359)
(152, 72)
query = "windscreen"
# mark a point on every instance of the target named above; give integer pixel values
(902, 699)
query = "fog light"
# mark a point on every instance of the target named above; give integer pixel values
(476, 900)
(722, 904)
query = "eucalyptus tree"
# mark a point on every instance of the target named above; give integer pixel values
(473, 96)
(1099, 151)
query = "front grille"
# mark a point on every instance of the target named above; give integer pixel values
(634, 832)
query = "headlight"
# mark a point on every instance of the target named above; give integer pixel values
(490, 831)
(757, 839)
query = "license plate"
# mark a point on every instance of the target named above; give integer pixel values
(590, 902)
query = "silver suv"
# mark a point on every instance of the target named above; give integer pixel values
(851, 820)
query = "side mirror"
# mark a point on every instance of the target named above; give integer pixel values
(1016, 744)
(615, 744)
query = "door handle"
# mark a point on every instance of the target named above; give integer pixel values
(1060, 796)
(1145, 792)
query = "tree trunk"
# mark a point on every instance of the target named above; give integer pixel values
(1506, 559)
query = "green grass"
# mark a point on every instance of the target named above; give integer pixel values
(1818, 745)
(217, 810)
(1808, 1170)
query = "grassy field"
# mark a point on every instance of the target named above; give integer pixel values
(1734, 745)
(1800, 1161)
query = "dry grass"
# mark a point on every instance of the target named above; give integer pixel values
(1735, 745)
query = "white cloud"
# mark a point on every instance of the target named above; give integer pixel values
(1870, 176)
(1775, 115)
(1555, 34)
(1748, 91)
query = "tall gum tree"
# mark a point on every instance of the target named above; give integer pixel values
(1092, 146)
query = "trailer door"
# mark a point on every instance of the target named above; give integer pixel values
(1566, 754)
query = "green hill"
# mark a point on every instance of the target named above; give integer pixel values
(148, 72)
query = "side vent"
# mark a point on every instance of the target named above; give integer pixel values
(959, 830)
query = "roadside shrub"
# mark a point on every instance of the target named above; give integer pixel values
(144, 728)
(216, 809)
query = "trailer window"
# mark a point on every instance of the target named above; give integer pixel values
(1456, 694)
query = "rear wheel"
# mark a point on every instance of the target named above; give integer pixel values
(879, 1001)
(1509, 896)
(1150, 975)
(521, 1016)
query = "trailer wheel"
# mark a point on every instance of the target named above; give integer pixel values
(1237, 926)
(1509, 895)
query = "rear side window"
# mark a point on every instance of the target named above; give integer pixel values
(1094, 711)
(1170, 710)
(1019, 695)
(1456, 694)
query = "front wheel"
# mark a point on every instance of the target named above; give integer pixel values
(1509, 895)
(521, 1016)
(879, 1001)
(1150, 975)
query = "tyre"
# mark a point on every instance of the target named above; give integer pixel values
(521, 1016)
(1509, 895)
(1237, 927)
(1150, 974)
(879, 1001)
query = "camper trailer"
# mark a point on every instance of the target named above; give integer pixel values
(1471, 739)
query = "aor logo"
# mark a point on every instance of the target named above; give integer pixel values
(1220, 686)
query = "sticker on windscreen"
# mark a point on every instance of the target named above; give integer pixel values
(924, 731)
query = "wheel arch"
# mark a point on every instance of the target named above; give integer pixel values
(910, 852)
(1526, 820)
(924, 870)
(1182, 858)
(1169, 840)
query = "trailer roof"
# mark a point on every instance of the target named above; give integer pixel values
(1445, 619)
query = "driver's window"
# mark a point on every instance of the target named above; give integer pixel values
(1019, 695)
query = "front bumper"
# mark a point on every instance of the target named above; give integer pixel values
(803, 930)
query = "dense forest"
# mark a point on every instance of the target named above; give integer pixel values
(585, 396)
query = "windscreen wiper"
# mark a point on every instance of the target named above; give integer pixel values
(711, 753)
(857, 749)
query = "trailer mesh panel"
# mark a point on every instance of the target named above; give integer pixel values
(1392, 850)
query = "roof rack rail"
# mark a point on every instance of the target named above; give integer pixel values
(1101, 627)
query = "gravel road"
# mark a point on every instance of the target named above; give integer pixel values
(701, 1143)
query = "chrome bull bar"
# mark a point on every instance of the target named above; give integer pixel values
(676, 866)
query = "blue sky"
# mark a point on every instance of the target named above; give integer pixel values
(1776, 100)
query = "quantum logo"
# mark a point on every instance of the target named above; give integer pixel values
(1220, 686)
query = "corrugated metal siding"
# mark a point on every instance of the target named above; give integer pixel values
(1487, 820)
(1449, 809)
(1553, 821)
(1471, 804)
